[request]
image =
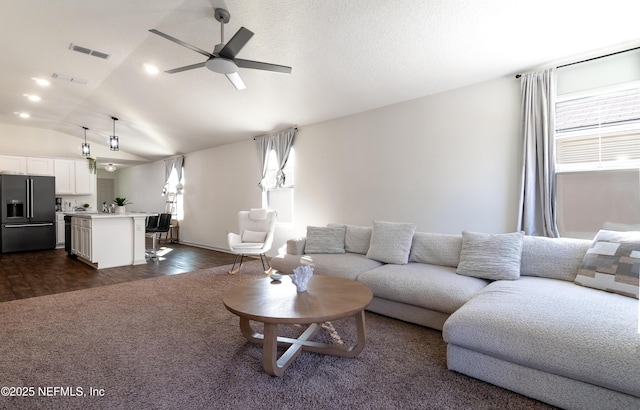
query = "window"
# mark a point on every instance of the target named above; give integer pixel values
(173, 200)
(280, 199)
(597, 146)
(272, 170)
(599, 132)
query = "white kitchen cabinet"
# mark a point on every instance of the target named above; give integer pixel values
(73, 177)
(83, 178)
(40, 166)
(59, 230)
(13, 164)
(81, 240)
(109, 240)
(85, 239)
(65, 173)
(76, 243)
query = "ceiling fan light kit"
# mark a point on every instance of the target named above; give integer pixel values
(223, 59)
(221, 65)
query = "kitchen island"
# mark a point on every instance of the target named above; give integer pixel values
(109, 240)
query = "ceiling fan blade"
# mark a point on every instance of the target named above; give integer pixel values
(180, 42)
(262, 66)
(185, 68)
(236, 43)
(236, 81)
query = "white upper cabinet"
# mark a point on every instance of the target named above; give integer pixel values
(73, 177)
(84, 178)
(65, 173)
(13, 164)
(40, 166)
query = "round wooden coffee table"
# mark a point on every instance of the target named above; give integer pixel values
(278, 302)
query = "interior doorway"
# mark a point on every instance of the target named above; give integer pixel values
(106, 192)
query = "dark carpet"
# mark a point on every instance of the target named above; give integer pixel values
(169, 343)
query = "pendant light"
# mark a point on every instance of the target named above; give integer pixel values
(86, 151)
(114, 144)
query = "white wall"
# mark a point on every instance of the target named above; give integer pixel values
(446, 162)
(219, 182)
(602, 72)
(142, 186)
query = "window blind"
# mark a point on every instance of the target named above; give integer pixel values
(598, 132)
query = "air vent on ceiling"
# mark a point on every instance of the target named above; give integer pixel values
(88, 51)
(65, 77)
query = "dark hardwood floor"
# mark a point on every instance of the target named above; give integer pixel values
(29, 274)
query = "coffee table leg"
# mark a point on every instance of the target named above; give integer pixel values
(276, 366)
(340, 350)
(248, 332)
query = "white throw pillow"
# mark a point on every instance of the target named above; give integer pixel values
(253, 236)
(328, 239)
(356, 238)
(391, 242)
(436, 249)
(491, 256)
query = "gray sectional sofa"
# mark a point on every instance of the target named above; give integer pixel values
(509, 306)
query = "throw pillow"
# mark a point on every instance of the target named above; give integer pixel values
(555, 258)
(491, 256)
(328, 239)
(357, 239)
(612, 263)
(391, 242)
(253, 236)
(436, 249)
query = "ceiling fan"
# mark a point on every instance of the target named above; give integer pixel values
(223, 58)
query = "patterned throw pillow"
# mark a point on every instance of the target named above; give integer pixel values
(612, 263)
(328, 239)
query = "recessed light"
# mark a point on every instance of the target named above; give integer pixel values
(24, 115)
(41, 81)
(33, 97)
(151, 69)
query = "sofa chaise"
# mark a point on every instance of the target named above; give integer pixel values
(521, 312)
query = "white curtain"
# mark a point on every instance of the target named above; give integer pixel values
(264, 146)
(281, 142)
(169, 165)
(537, 213)
(282, 145)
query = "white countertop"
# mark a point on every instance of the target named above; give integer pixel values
(97, 215)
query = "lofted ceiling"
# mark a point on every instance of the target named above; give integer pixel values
(348, 56)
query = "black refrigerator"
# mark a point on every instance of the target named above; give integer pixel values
(28, 213)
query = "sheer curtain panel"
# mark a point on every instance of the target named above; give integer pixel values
(537, 213)
(169, 165)
(280, 142)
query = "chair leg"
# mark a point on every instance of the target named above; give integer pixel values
(267, 271)
(233, 270)
(152, 253)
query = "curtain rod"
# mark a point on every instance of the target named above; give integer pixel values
(592, 58)
(273, 132)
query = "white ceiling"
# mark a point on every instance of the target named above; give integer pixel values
(348, 56)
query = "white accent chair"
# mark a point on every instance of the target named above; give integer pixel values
(255, 237)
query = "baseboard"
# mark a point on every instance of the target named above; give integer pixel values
(199, 245)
